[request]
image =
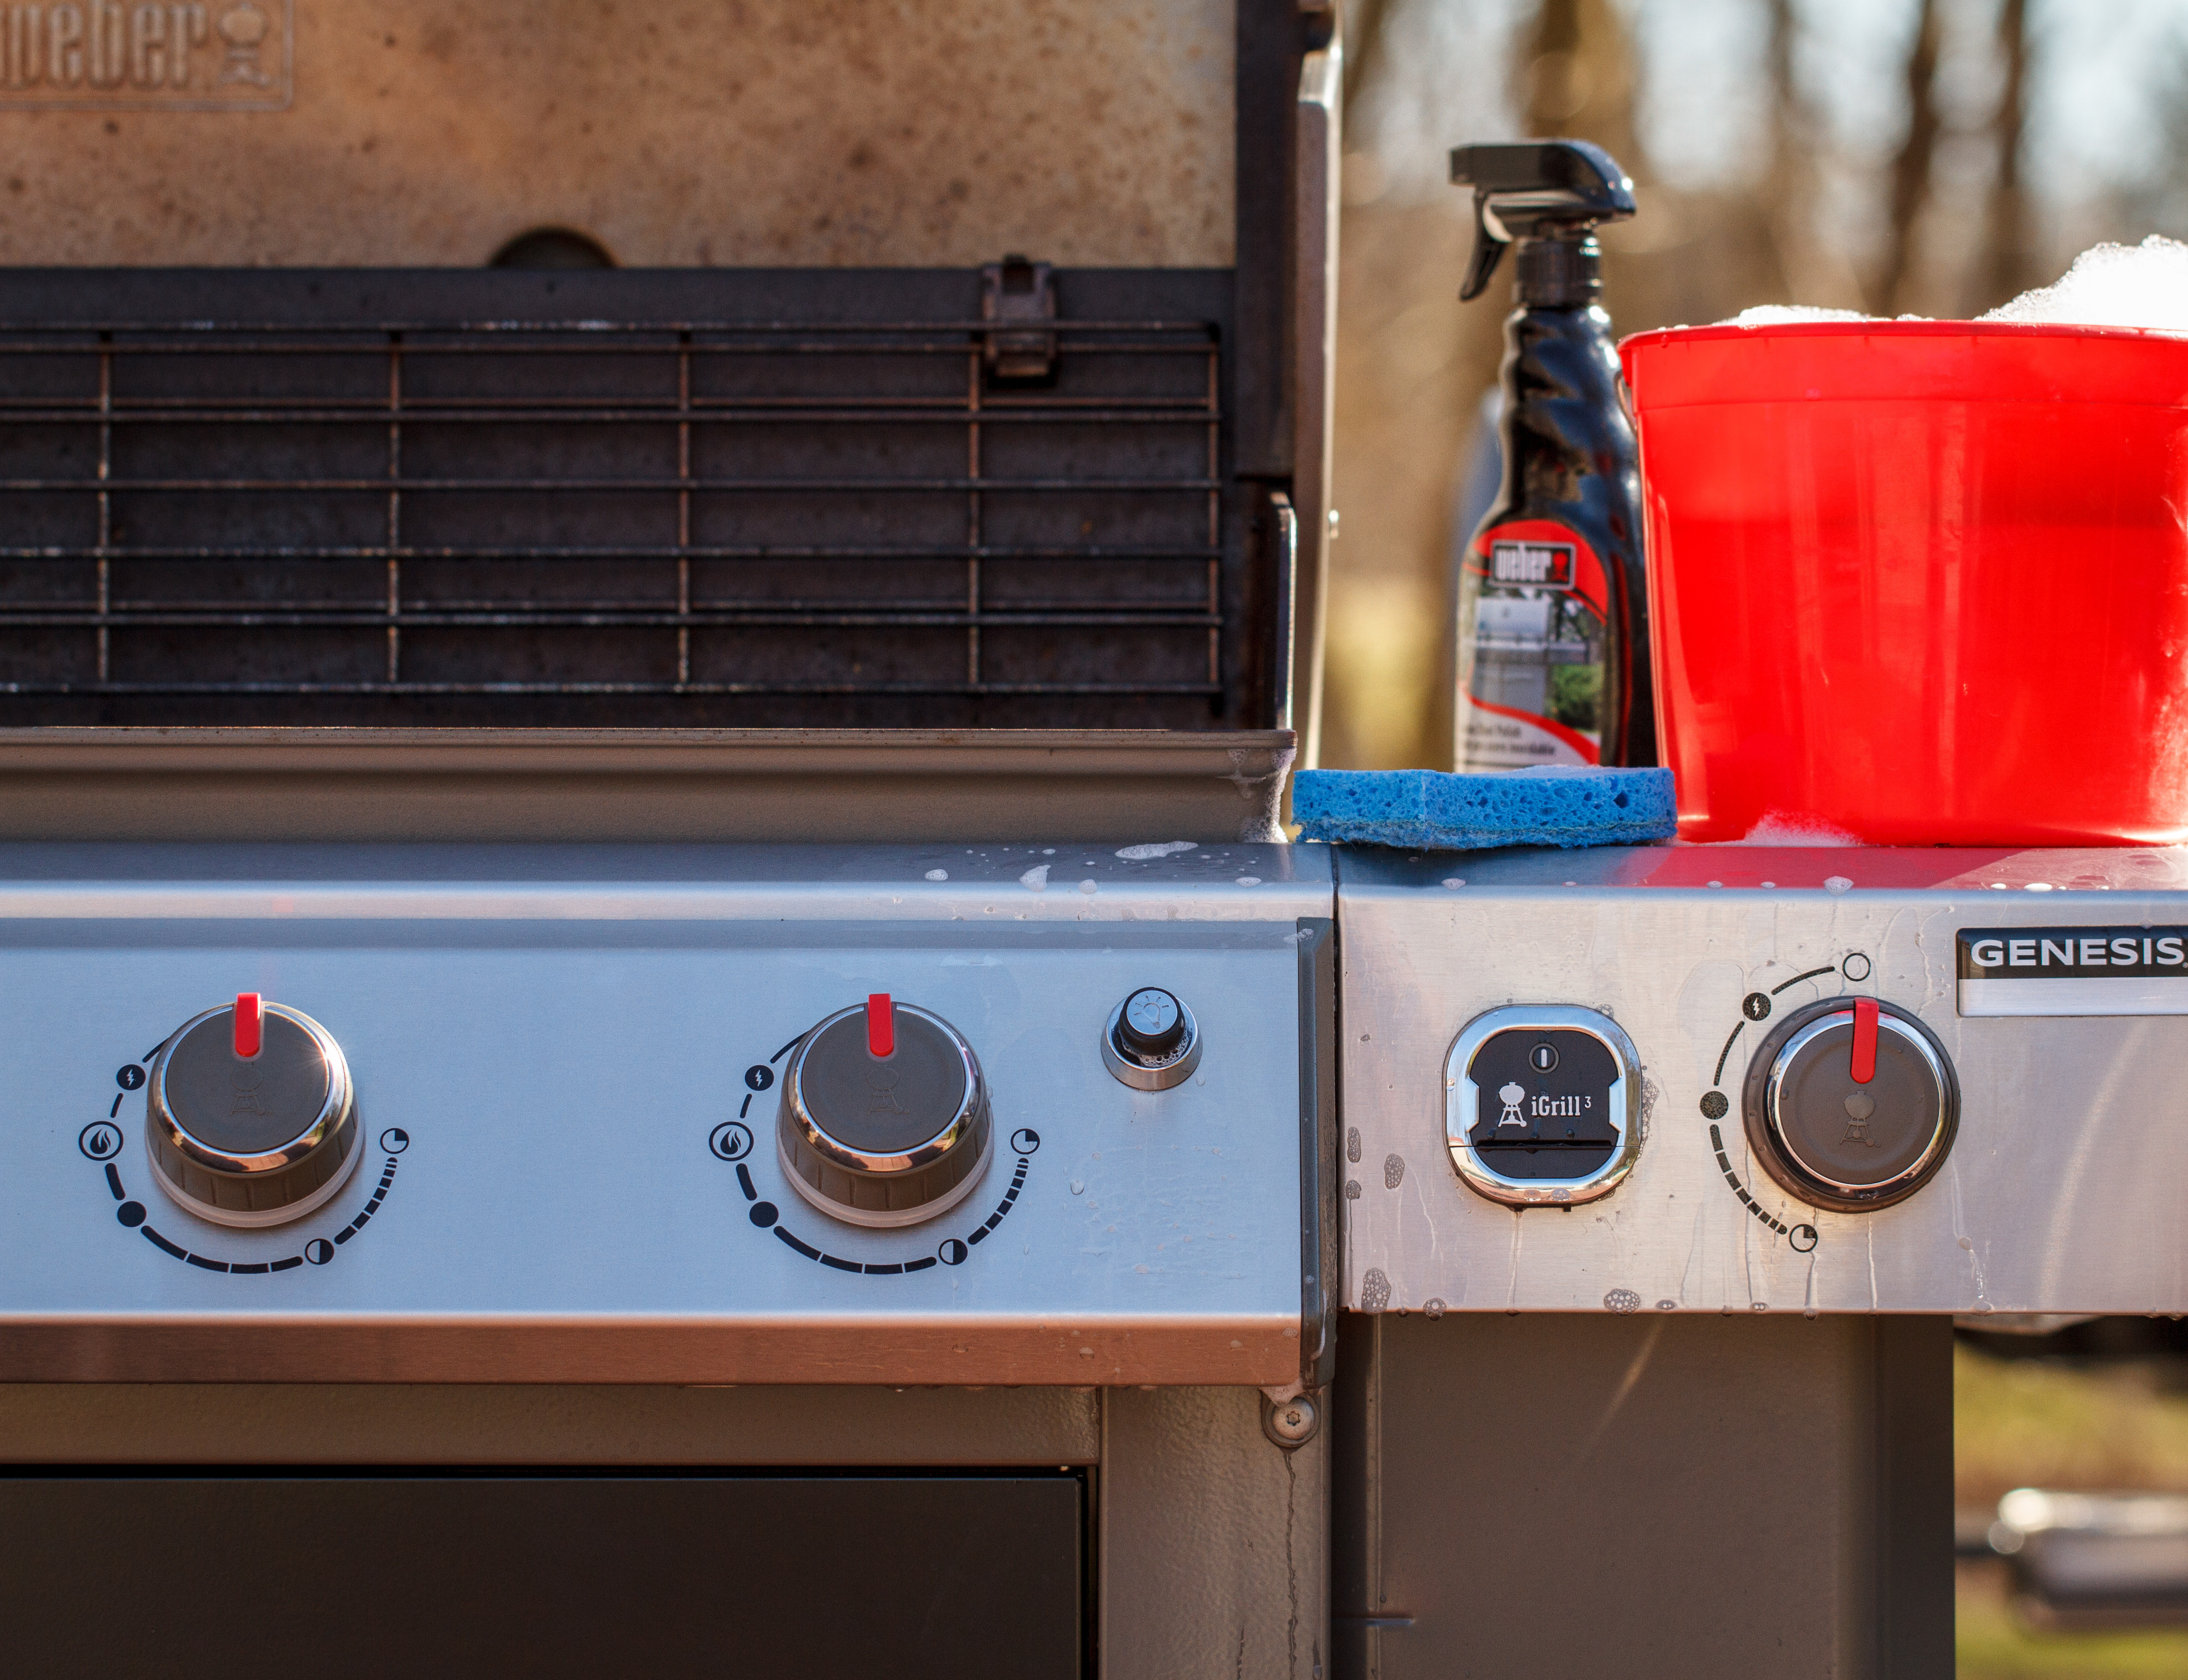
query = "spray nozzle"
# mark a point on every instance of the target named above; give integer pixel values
(1535, 189)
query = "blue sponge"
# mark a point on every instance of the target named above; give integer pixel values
(1561, 805)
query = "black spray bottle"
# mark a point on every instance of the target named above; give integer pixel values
(1553, 603)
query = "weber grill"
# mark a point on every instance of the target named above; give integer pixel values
(740, 790)
(658, 1017)
(642, 499)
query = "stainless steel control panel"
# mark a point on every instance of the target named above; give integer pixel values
(1868, 1080)
(561, 1093)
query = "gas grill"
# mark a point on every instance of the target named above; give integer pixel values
(659, 1018)
(725, 809)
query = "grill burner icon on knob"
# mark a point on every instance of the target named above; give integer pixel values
(1852, 1105)
(251, 1119)
(884, 1120)
(1152, 1041)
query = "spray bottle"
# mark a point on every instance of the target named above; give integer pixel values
(1553, 604)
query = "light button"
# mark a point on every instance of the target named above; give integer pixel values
(1152, 1025)
(1151, 1041)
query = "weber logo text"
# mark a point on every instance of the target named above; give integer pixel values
(122, 55)
(1544, 565)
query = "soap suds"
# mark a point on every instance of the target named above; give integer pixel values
(2113, 286)
(2109, 285)
(1795, 828)
(1788, 315)
(1159, 849)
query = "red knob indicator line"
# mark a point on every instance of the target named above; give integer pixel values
(250, 1023)
(881, 1024)
(1864, 1039)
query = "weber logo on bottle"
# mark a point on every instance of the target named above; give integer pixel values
(122, 55)
(1547, 565)
(2072, 971)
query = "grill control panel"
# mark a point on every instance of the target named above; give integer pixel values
(648, 1115)
(1823, 1112)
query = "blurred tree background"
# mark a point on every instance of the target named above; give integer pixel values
(1933, 157)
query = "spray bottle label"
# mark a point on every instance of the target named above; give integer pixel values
(1532, 604)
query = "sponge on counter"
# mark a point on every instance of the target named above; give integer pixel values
(1550, 805)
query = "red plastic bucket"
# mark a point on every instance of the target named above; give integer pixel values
(1920, 583)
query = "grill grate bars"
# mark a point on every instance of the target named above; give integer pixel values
(599, 508)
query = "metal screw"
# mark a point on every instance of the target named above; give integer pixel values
(1292, 1423)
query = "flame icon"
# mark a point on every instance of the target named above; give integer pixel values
(100, 1140)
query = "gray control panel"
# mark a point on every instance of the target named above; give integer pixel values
(721, 1115)
(1863, 1080)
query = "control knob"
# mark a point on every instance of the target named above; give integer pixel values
(251, 1119)
(884, 1116)
(1852, 1105)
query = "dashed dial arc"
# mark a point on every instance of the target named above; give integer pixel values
(1820, 1158)
(883, 1123)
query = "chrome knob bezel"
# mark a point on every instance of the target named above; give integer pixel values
(334, 1112)
(798, 1130)
(1765, 1121)
(871, 1164)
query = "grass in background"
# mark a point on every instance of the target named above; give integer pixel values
(2051, 1423)
(1996, 1644)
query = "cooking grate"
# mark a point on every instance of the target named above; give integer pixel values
(660, 521)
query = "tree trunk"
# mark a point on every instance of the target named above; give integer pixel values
(1910, 170)
(1578, 80)
(2005, 272)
